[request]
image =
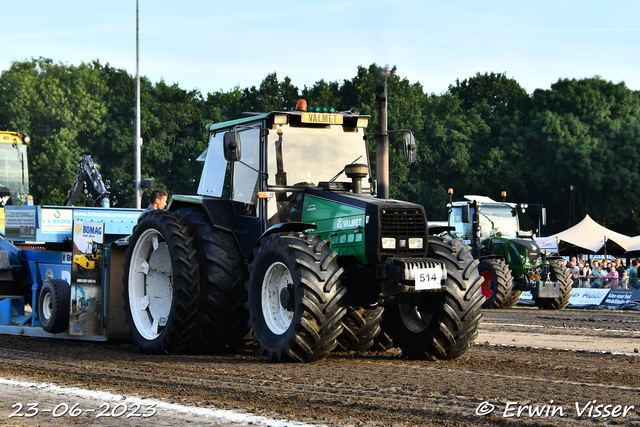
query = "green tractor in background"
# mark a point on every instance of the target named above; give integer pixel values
(510, 260)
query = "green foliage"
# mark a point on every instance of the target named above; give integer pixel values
(586, 135)
(483, 135)
(58, 105)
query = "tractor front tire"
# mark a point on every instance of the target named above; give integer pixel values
(360, 328)
(161, 284)
(497, 286)
(223, 318)
(54, 306)
(560, 274)
(295, 297)
(441, 325)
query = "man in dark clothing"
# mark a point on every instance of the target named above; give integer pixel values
(619, 267)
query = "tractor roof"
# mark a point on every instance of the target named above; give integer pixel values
(214, 127)
(10, 137)
(483, 200)
(231, 123)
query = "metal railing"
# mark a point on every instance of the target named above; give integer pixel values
(606, 283)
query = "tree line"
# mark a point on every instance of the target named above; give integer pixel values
(484, 135)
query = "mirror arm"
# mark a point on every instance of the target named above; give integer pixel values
(253, 169)
(405, 166)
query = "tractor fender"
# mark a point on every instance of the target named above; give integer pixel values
(285, 227)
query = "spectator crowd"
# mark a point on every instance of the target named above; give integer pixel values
(604, 274)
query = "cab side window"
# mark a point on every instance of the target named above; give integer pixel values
(246, 180)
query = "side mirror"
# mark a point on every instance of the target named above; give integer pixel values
(543, 216)
(466, 214)
(232, 146)
(148, 183)
(409, 143)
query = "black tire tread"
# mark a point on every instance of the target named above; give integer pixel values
(506, 296)
(319, 309)
(181, 325)
(223, 318)
(456, 310)
(561, 274)
(361, 327)
(60, 305)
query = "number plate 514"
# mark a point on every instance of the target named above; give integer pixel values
(428, 278)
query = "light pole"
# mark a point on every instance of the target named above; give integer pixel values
(137, 141)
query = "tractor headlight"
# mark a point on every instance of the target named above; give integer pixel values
(415, 243)
(388, 243)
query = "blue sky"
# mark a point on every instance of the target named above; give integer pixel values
(216, 45)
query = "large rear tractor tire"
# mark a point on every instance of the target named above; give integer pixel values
(360, 328)
(161, 284)
(223, 318)
(444, 324)
(497, 286)
(558, 273)
(295, 297)
(54, 304)
(382, 342)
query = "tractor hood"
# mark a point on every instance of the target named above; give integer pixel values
(340, 213)
(531, 248)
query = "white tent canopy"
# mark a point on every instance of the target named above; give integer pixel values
(590, 236)
(632, 244)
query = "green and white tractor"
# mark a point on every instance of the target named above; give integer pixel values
(510, 260)
(278, 243)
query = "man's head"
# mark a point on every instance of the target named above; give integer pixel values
(158, 199)
(618, 262)
(571, 264)
(634, 263)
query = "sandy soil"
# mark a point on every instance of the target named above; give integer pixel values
(532, 357)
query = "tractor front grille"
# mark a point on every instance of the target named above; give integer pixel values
(403, 224)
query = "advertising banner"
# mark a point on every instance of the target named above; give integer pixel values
(86, 279)
(20, 224)
(622, 296)
(586, 296)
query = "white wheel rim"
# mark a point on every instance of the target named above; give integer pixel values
(415, 320)
(47, 304)
(276, 279)
(150, 284)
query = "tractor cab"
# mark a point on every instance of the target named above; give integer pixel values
(496, 220)
(286, 169)
(14, 170)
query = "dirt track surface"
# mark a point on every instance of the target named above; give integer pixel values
(591, 357)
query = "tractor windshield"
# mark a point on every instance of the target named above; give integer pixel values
(309, 155)
(495, 221)
(14, 175)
